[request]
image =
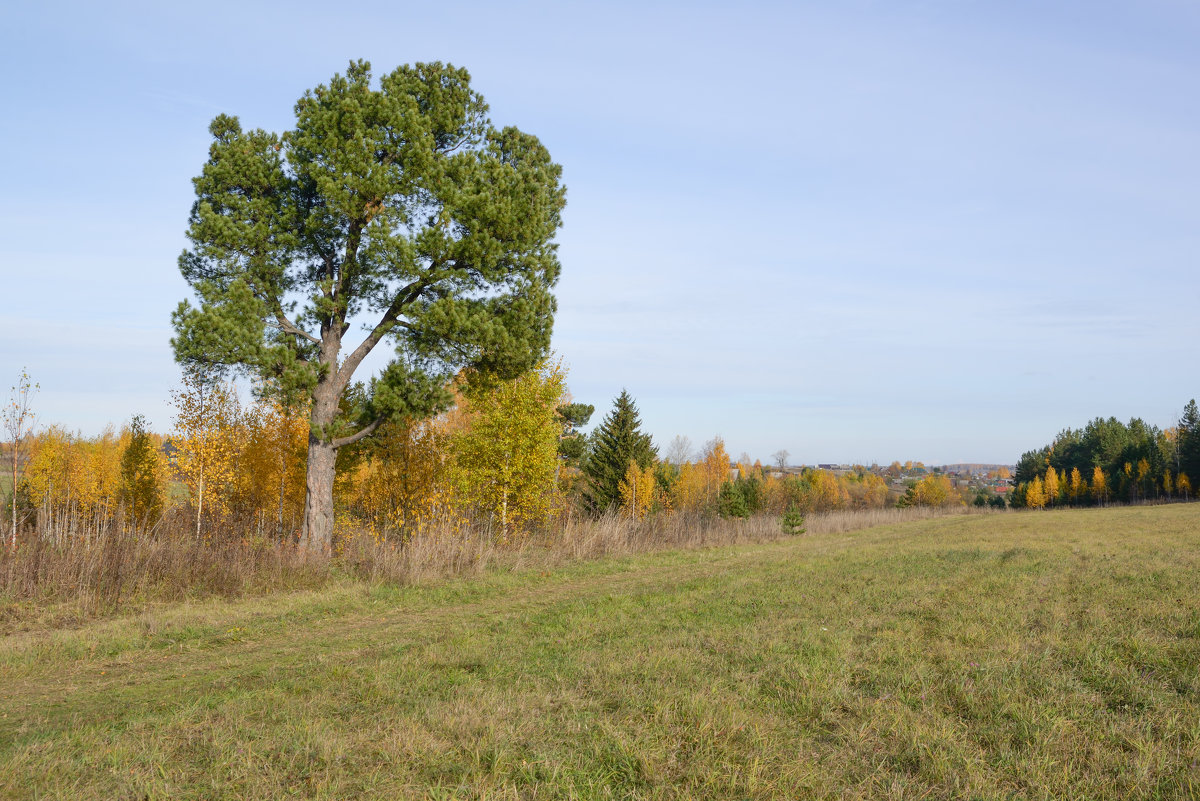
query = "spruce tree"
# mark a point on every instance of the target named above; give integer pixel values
(618, 441)
(731, 502)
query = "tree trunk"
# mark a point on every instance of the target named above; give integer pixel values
(318, 498)
(199, 503)
(13, 488)
(279, 517)
(322, 461)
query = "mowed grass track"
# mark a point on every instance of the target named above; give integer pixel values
(1033, 655)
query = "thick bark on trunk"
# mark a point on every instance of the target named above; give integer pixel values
(318, 502)
(322, 461)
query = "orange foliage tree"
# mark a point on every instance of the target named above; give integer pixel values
(1051, 487)
(403, 486)
(271, 464)
(866, 490)
(932, 490)
(1099, 485)
(1075, 488)
(699, 483)
(1035, 494)
(640, 493)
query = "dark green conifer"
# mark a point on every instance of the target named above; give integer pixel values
(618, 441)
(572, 445)
(792, 521)
(731, 502)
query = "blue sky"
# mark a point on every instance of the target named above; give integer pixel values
(860, 231)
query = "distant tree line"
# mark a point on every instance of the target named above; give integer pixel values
(1109, 461)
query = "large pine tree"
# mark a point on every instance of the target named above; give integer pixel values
(397, 204)
(618, 441)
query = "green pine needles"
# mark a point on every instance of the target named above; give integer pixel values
(792, 521)
(394, 209)
(618, 441)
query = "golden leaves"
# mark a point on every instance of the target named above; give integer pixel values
(246, 462)
(505, 458)
(639, 492)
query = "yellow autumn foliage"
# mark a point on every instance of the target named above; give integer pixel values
(504, 458)
(1035, 494)
(933, 490)
(269, 481)
(207, 439)
(1051, 487)
(403, 487)
(1075, 487)
(639, 492)
(1099, 485)
(70, 478)
(699, 484)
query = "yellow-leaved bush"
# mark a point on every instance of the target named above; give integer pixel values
(504, 457)
(74, 483)
(401, 488)
(490, 461)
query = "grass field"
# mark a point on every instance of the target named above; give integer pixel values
(1033, 655)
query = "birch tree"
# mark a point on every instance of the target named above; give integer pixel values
(18, 425)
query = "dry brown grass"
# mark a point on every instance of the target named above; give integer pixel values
(103, 570)
(120, 567)
(859, 519)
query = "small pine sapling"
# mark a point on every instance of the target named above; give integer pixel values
(792, 521)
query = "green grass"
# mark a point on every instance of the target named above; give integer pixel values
(1037, 655)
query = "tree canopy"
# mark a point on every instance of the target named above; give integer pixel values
(141, 483)
(400, 208)
(1189, 440)
(1131, 461)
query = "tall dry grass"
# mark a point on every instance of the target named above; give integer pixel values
(106, 568)
(117, 566)
(857, 519)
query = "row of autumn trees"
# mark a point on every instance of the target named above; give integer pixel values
(506, 458)
(624, 472)
(234, 469)
(225, 466)
(396, 202)
(1110, 461)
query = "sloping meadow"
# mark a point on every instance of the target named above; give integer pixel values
(1031, 655)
